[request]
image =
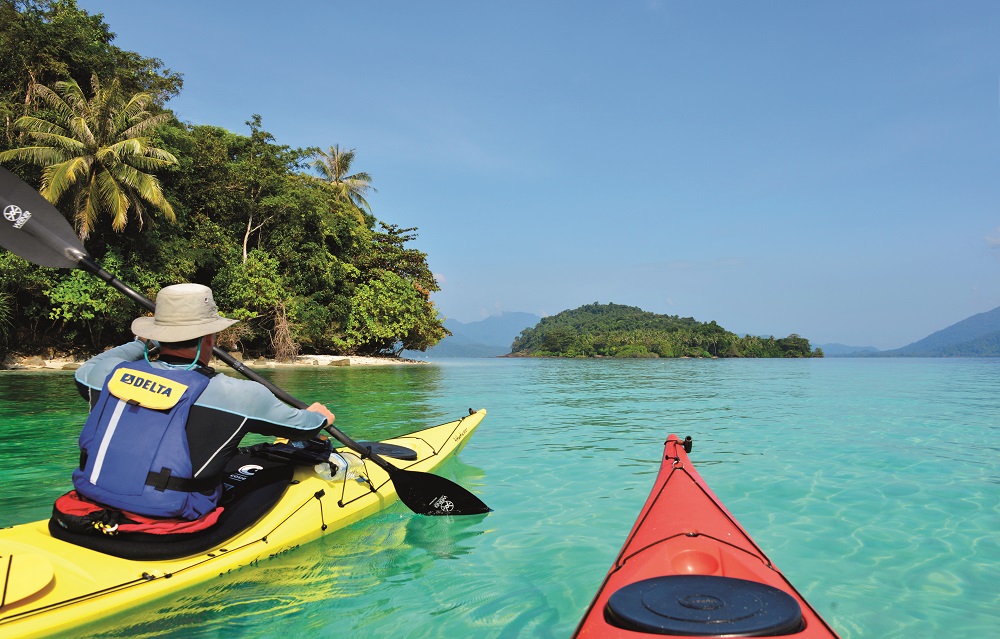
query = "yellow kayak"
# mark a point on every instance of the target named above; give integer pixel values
(52, 584)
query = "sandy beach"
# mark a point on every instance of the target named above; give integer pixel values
(37, 362)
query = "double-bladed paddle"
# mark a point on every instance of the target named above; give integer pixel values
(35, 230)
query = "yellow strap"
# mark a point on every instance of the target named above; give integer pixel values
(146, 389)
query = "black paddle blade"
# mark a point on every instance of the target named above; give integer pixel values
(429, 494)
(34, 229)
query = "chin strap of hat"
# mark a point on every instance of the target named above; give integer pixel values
(197, 355)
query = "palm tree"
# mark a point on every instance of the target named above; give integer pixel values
(97, 151)
(334, 168)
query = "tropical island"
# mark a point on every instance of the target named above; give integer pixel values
(615, 330)
(284, 236)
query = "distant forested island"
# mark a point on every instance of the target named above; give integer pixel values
(615, 330)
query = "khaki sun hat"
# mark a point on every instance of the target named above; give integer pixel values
(183, 312)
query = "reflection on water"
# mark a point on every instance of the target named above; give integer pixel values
(871, 483)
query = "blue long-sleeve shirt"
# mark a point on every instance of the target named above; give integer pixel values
(227, 410)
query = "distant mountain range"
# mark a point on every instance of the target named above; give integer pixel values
(843, 350)
(490, 337)
(976, 336)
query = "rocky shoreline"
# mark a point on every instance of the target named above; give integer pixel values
(37, 362)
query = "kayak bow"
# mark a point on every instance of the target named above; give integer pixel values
(51, 586)
(688, 569)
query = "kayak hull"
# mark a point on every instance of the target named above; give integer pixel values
(53, 586)
(688, 568)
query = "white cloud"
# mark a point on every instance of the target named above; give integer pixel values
(994, 240)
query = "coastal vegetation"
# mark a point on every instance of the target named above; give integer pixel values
(615, 330)
(285, 236)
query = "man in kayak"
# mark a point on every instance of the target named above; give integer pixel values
(161, 431)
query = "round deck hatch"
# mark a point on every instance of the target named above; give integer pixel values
(704, 606)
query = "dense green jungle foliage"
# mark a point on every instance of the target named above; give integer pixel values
(614, 330)
(299, 257)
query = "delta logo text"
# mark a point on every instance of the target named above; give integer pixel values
(145, 384)
(14, 214)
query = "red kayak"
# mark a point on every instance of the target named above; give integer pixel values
(688, 569)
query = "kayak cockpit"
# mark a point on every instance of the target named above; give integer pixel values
(253, 482)
(251, 487)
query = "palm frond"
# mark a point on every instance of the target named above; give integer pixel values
(72, 96)
(53, 101)
(86, 210)
(34, 155)
(135, 109)
(148, 164)
(159, 154)
(81, 129)
(322, 168)
(113, 198)
(126, 148)
(31, 125)
(59, 178)
(359, 201)
(149, 189)
(147, 125)
(123, 174)
(138, 153)
(64, 143)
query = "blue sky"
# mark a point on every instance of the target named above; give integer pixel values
(826, 169)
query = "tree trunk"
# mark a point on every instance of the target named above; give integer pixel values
(246, 237)
(285, 348)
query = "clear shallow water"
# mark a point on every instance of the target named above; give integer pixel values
(873, 484)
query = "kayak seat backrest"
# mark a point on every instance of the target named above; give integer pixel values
(252, 486)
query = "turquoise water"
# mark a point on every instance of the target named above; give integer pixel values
(874, 484)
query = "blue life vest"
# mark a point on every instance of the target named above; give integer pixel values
(134, 450)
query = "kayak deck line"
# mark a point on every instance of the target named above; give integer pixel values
(87, 585)
(688, 568)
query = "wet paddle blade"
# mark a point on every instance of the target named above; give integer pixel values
(429, 494)
(34, 229)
